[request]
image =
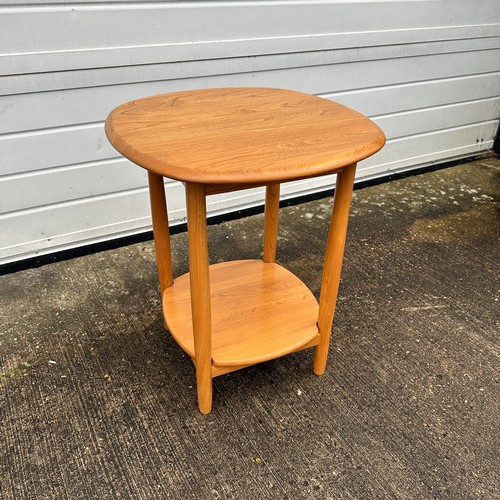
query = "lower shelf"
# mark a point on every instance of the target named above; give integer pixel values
(260, 311)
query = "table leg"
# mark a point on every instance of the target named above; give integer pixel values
(333, 264)
(161, 230)
(200, 292)
(271, 217)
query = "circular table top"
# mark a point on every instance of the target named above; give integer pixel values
(241, 135)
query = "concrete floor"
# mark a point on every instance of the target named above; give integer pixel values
(97, 401)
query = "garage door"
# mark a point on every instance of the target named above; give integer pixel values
(428, 72)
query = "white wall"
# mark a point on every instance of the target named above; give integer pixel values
(428, 72)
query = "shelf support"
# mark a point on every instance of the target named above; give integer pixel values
(200, 292)
(333, 264)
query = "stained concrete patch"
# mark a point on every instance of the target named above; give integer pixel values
(97, 401)
(467, 225)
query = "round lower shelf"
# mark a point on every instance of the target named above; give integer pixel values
(260, 311)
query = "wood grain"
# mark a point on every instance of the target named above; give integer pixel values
(241, 135)
(199, 296)
(333, 264)
(239, 313)
(222, 370)
(260, 311)
(271, 221)
(161, 230)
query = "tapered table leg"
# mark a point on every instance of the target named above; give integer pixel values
(200, 292)
(333, 264)
(271, 217)
(161, 230)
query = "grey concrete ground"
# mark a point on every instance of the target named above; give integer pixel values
(97, 401)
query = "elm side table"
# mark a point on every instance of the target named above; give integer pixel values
(234, 314)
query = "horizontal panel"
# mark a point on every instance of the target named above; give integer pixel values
(424, 120)
(398, 59)
(39, 3)
(54, 148)
(109, 3)
(39, 188)
(464, 38)
(408, 96)
(61, 108)
(33, 232)
(30, 233)
(71, 183)
(68, 26)
(400, 154)
(38, 111)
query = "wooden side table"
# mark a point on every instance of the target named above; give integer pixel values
(235, 314)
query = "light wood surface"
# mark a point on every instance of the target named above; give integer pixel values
(199, 296)
(161, 230)
(235, 314)
(260, 311)
(333, 264)
(241, 135)
(222, 370)
(271, 221)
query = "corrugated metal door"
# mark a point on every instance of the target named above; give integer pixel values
(428, 72)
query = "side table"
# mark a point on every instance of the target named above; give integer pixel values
(235, 314)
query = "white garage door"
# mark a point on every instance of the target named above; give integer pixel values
(428, 72)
